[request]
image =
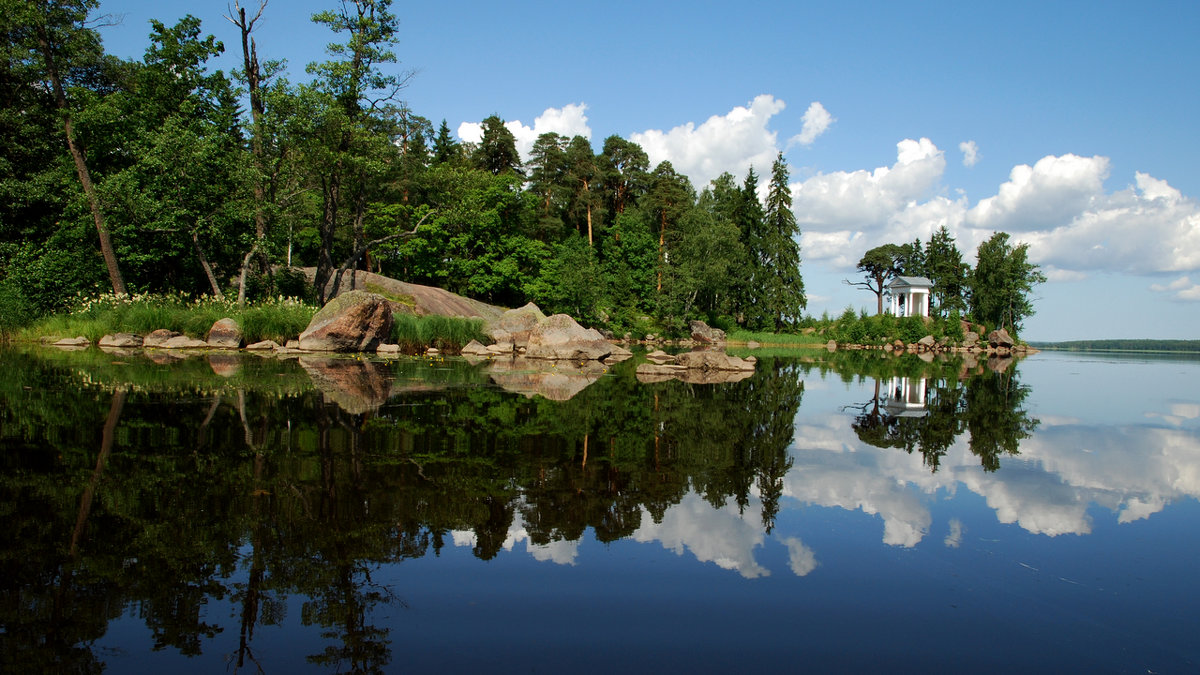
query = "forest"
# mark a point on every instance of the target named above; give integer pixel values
(167, 176)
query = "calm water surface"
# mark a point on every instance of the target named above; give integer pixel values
(832, 513)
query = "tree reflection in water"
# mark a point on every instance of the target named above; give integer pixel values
(984, 402)
(199, 476)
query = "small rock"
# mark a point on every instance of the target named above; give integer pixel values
(158, 337)
(387, 349)
(73, 342)
(121, 340)
(225, 334)
(475, 348)
(265, 345)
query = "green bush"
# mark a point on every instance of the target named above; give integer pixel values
(912, 328)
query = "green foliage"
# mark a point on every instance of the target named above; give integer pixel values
(567, 283)
(781, 289)
(879, 266)
(1002, 282)
(913, 328)
(497, 150)
(15, 309)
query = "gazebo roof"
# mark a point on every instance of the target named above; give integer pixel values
(910, 282)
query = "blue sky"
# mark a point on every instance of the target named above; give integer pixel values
(1070, 125)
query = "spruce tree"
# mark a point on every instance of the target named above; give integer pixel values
(783, 287)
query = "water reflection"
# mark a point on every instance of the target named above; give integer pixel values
(286, 486)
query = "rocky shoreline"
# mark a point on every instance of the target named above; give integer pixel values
(361, 322)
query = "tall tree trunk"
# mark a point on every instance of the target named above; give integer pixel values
(85, 177)
(257, 111)
(588, 192)
(331, 187)
(212, 280)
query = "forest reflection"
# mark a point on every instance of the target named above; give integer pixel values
(128, 484)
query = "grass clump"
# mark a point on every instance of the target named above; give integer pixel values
(776, 339)
(414, 334)
(94, 317)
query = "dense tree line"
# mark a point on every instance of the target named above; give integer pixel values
(164, 174)
(995, 293)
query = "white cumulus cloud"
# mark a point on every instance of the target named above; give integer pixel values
(731, 142)
(569, 120)
(817, 121)
(1147, 228)
(1181, 289)
(970, 153)
(1045, 195)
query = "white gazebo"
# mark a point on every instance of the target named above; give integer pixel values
(910, 296)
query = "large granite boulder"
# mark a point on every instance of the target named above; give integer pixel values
(702, 333)
(225, 334)
(560, 337)
(1000, 338)
(355, 321)
(515, 325)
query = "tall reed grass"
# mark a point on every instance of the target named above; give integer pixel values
(414, 334)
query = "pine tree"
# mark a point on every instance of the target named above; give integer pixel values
(445, 149)
(945, 268)
(751, 221)
(783, 287)
(497, 150)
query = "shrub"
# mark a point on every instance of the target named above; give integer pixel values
(911, 329)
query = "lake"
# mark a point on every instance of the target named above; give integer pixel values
(832, 513)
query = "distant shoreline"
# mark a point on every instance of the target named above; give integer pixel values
(1134, 346)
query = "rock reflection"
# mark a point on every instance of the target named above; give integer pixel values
(553, 380)
(356, 385)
